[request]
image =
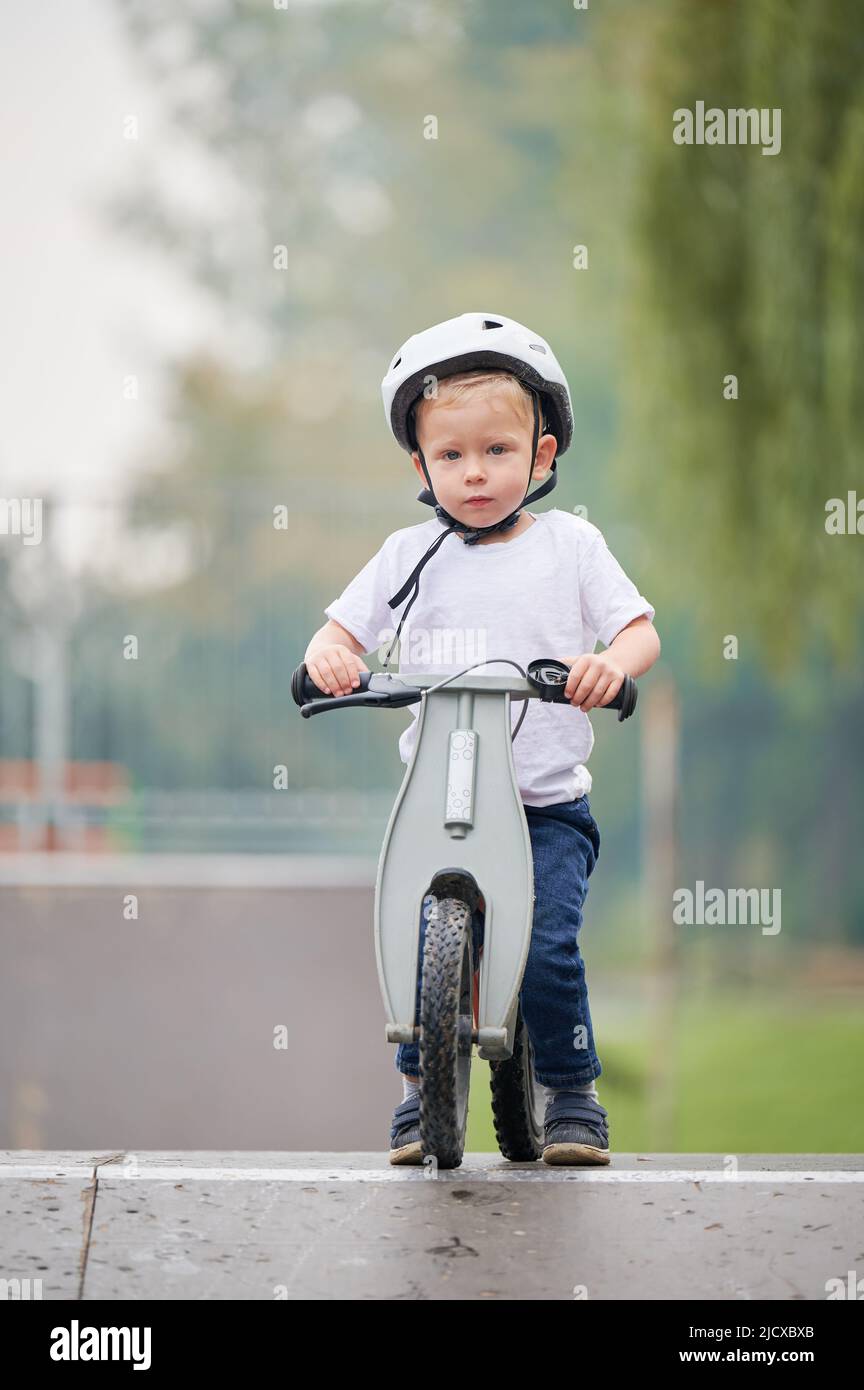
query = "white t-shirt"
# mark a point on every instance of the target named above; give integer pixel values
(551, 591)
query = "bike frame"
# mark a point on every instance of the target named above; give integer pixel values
(458, 829)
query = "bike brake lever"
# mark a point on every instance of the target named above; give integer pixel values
(381, 698)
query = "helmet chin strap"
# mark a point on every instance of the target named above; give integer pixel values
(470, 534)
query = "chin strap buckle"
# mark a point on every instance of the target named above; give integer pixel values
(472, 534)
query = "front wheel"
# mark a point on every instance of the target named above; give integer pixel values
(518, 1100)
(446, 1026)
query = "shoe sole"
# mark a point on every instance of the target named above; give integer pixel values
(553, 1154)
(574, 1153)
(408, 1153)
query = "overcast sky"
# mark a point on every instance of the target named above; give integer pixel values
(81, 307)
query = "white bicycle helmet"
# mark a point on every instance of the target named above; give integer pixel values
(466, 343)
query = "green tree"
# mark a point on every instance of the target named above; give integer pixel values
(750, 265)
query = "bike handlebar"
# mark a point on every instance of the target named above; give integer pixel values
(386, 691)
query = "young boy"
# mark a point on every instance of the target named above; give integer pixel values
(483, 407)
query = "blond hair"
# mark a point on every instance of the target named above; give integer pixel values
(479, 382)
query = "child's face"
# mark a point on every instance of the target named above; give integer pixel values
(480, 447)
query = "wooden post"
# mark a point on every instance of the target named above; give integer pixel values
(660, 738)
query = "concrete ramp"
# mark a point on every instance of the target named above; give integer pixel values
(243, 1225)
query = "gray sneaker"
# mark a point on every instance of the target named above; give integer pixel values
(575, 1130)
(405, 1132)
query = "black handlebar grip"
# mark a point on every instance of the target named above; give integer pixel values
(625, 700)
(304, 689)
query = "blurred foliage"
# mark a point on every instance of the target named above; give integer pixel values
(554, 128)
(753, 265)
(304, 128)
(738, 1070)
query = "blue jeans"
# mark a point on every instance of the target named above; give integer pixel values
(565, 844)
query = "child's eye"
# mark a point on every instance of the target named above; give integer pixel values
(454, 453)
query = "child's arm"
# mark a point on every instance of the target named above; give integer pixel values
(333, 655)
(636, 647)
(332, 659)
(614, 612)
(595, 679)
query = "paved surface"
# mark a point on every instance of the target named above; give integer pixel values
(217, 1020)
(160, 1032)
(248, 871)
(244, 1225)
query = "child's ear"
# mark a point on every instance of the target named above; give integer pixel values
(547, 447)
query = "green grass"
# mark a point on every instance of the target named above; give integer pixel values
(759, 1076)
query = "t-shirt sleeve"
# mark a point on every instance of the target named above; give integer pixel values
(362, 607)
(609, 599)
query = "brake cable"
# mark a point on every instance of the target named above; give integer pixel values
(495, 660)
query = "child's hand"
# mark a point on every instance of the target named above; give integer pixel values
(335, 669)
(593, 680)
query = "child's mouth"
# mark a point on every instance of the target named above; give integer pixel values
(478, 501)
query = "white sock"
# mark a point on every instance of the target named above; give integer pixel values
(589, 1090)
(409, 1088)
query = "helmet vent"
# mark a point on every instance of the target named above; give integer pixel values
(490, 323)
(396, 364)
(538, 347)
